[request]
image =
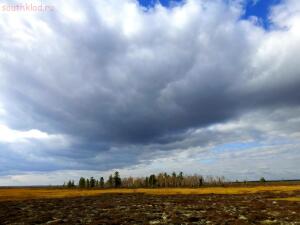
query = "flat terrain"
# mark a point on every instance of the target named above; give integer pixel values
(231, 205)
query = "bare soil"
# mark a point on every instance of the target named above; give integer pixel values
(259, 208)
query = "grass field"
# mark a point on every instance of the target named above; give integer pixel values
(37, 193)
(260, 204)
(291, 199)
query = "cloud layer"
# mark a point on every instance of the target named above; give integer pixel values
(116, 86)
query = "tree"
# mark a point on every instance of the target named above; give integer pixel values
(101, 182)
(117, 180)
(152, 180)
(180, 179)
(159, 180)
(262, 179)
(201, 181)
(110, 181)
(147, 182)
(81, 183)
(174, 179)
(166, 180)
(70, 184)
(92, 182)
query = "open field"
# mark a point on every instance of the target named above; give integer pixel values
(37, 193)
(214, 205)
(293, 199)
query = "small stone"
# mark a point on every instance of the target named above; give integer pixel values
(242, 217)
(164, 216)
(268, 221)
(53, 221)
(154, 222)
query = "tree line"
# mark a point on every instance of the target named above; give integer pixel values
(160, 180)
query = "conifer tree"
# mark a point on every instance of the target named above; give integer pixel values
(110, 181)
(92, 182)
(81, 183)
(101, 182)
(152, 180)
(117, 180)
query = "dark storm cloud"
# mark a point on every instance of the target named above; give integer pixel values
(116, 77)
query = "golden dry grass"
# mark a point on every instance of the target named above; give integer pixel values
(291, 199)
(36, 193)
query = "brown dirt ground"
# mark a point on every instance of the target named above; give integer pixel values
(139, 208)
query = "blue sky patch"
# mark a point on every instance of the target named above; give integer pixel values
(151, 3)
(259, 9)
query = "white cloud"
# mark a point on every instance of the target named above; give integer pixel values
(8, 135)
(115, 86)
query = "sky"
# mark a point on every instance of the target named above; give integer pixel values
(200, 86)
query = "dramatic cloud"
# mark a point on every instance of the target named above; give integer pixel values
(112, 85)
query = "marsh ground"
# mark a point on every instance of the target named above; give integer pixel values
(262, 207)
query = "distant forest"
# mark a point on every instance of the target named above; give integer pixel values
(153, 181)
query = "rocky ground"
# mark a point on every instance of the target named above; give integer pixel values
(153, 209)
